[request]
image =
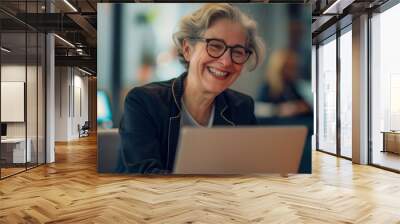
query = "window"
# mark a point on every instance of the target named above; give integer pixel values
(346, 93)
(385, 89)
(327, 96)
(22, 78)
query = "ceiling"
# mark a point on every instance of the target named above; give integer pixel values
(76, 22)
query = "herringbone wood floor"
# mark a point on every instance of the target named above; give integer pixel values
(70, 191)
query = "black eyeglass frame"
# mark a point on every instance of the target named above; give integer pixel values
(208, 40)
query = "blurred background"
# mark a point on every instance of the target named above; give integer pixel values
(135, 47)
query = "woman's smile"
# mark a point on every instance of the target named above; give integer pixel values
(217, 73)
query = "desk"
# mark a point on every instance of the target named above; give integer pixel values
(15, 148)
(391, 141)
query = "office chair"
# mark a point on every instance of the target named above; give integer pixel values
(84, 130)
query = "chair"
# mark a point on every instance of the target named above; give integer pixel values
(108, 143)
(84, 130)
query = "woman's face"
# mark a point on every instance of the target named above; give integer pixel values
(214, 75)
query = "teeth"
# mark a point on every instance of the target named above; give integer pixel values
(216, 72)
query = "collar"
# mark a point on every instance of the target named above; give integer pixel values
(221, 105)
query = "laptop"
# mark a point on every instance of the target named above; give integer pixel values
(240, 150)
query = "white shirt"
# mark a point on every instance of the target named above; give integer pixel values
(188, 120)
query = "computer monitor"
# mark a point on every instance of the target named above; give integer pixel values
(3, 129)
(104, 113)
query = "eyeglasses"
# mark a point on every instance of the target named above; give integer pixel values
(216, 48)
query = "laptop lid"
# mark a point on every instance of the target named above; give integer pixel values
(240, 150)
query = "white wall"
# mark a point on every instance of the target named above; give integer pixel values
(80, 117)
(12, 73)
(80, 105)
(33, 126)
(71, 94)
(61, 103)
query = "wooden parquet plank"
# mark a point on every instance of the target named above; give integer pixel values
(70, 191)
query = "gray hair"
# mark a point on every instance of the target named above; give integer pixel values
(195, 24)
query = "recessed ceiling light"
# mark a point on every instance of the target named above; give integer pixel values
(5, 50)
(337, 7)
(84, 71)
(64, 40)
(70, 5)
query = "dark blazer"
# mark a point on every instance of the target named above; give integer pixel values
(150, 125)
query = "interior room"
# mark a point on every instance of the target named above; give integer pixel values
(384, 90)
(54, 106)
(22, 102)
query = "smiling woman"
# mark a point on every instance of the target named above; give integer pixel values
(215, 43)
